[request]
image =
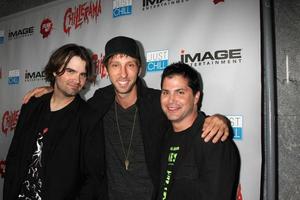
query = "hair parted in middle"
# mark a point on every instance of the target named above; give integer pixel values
(60, 58)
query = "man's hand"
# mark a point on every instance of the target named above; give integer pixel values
(215, 127)
(36, 92)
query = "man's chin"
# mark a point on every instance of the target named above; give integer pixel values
(71, 94)
(123, 90)
(172, 118)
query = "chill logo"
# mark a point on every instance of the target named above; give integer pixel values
(81, 14)
(209, 58)
(122, 7)
(34, 76)
(13, 77)
(237, 126)
(152, 4)
(19, 33)
(9, 121)
(1, 37)
(157, 60)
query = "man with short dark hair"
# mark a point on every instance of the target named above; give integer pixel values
(53, 153)
(191, 168)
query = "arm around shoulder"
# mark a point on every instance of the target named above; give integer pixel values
(215, 128)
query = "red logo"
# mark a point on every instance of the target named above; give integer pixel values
(46, 27)
(9, 121)
(99, 67)
(218, 1)
(81, 14)
(2, 168)
(239, 193)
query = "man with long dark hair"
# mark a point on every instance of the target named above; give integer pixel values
(53, 154)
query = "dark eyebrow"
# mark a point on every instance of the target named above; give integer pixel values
(68, 68)
(73, 70)
(181, 89)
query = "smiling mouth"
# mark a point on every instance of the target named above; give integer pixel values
(173, 109)
(123, 83)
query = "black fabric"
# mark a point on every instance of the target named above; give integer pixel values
(202, 170)
(124, 45)
(69, 166)
(173, 146)
(32, 185)
(134, 183)
(153, 123)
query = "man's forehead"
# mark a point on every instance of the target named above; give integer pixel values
(72, 65)
(176, 80)
(181, 87)
(175, 77)
(120, 55)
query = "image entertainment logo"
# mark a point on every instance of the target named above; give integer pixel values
(34, 76)
(212, 58)
(20, 33)
(152, 4)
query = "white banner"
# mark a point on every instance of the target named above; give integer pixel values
(221, 39)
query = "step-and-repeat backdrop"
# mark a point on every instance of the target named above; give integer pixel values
(219, 38)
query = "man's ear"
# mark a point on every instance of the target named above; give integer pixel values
(54, 74)
(197, 97)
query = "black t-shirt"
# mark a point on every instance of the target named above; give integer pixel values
(134, 183)
(174, 145)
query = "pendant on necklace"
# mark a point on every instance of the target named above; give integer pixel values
(126, 162)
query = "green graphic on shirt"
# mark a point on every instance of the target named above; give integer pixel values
(172, 158)
(173, 152)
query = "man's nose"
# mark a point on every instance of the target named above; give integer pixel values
(123, 71)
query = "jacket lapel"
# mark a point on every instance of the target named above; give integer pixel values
(31, 130)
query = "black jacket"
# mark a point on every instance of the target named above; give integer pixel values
(69, 167)
(153, 122)
(203, 171)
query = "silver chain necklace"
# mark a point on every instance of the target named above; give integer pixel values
(126, 155)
